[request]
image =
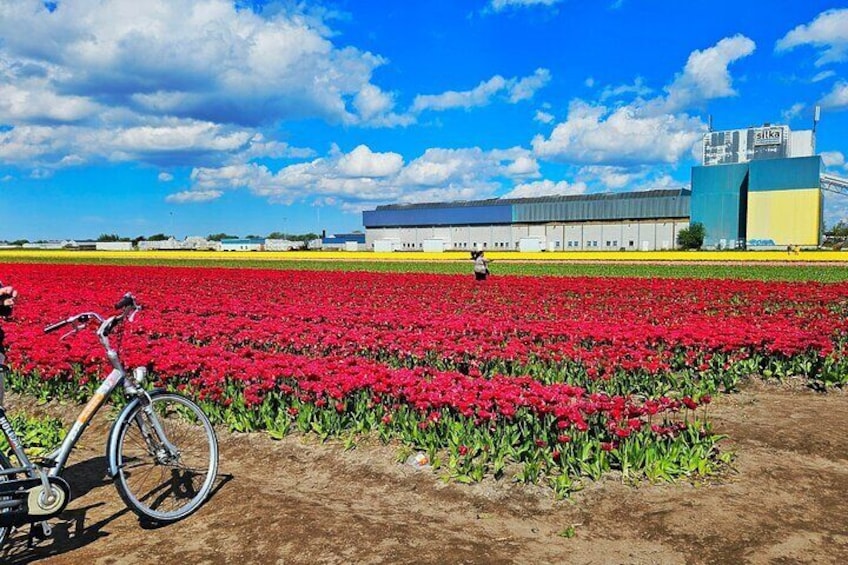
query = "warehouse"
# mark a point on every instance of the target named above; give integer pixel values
(759, 187)
(639, 220)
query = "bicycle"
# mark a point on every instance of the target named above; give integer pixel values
(162, 451)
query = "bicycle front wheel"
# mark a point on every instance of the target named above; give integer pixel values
(167, 458)
(5, 464)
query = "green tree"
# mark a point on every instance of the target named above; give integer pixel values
(292, 236)
(692, 237)
(111, 237)
(220, 236)
(839, 230)
(159, 237)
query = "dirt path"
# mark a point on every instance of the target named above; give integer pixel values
(297, 501)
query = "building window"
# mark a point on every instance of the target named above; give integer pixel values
(631, 243)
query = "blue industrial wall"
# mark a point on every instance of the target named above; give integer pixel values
(785, 174)
(719, 196)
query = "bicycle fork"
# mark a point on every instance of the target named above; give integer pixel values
(154, 435)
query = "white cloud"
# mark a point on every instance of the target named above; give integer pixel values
(793, 112)
(835, 209)
(203, 60)
(823, 76)
(638, 88)
(514, 89)
(172, 81)
(525, 88)
(31, 101)
(836, 98)
(597, 135)
(544, 117)
(163, 142)
(523, 166)
(193, 196)
(828, 33)
(501, 5)
(375, 108)
(634, 178)
(833, 159)
(478, 96)
(546, 188)
(165, 177)
(364, 177)
(590, 82)
(362, 162)
(645, 131)
(706, 75)
(613, 178)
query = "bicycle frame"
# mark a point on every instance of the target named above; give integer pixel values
(55, 461)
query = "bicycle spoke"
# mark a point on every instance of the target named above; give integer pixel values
(167, 477)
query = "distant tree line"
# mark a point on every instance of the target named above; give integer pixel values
(272, 235)
(110, 237)
(838, 230)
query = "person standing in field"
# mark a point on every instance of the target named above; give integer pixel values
(481, 265)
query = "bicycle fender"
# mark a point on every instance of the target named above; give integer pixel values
(115, 432)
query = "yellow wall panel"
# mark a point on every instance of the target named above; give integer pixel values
(786, 217)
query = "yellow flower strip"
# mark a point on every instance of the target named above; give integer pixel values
(628, 256)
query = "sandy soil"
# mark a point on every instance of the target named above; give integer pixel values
(299, 501)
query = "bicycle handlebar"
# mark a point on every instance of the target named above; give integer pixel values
(84, 317)
(126, 303)
(56, 326)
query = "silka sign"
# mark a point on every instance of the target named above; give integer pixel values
(768, 136)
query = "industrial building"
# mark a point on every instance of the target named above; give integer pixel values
(639, 220)
(759, 187)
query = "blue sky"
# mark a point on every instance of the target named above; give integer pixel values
(192, 117)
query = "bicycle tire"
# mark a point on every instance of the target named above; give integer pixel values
(148, 475)
(5, 464)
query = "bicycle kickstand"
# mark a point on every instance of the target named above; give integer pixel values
(40, 530)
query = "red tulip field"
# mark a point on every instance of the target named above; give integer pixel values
(553, 382)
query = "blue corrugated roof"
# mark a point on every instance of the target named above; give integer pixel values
(343, 238)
